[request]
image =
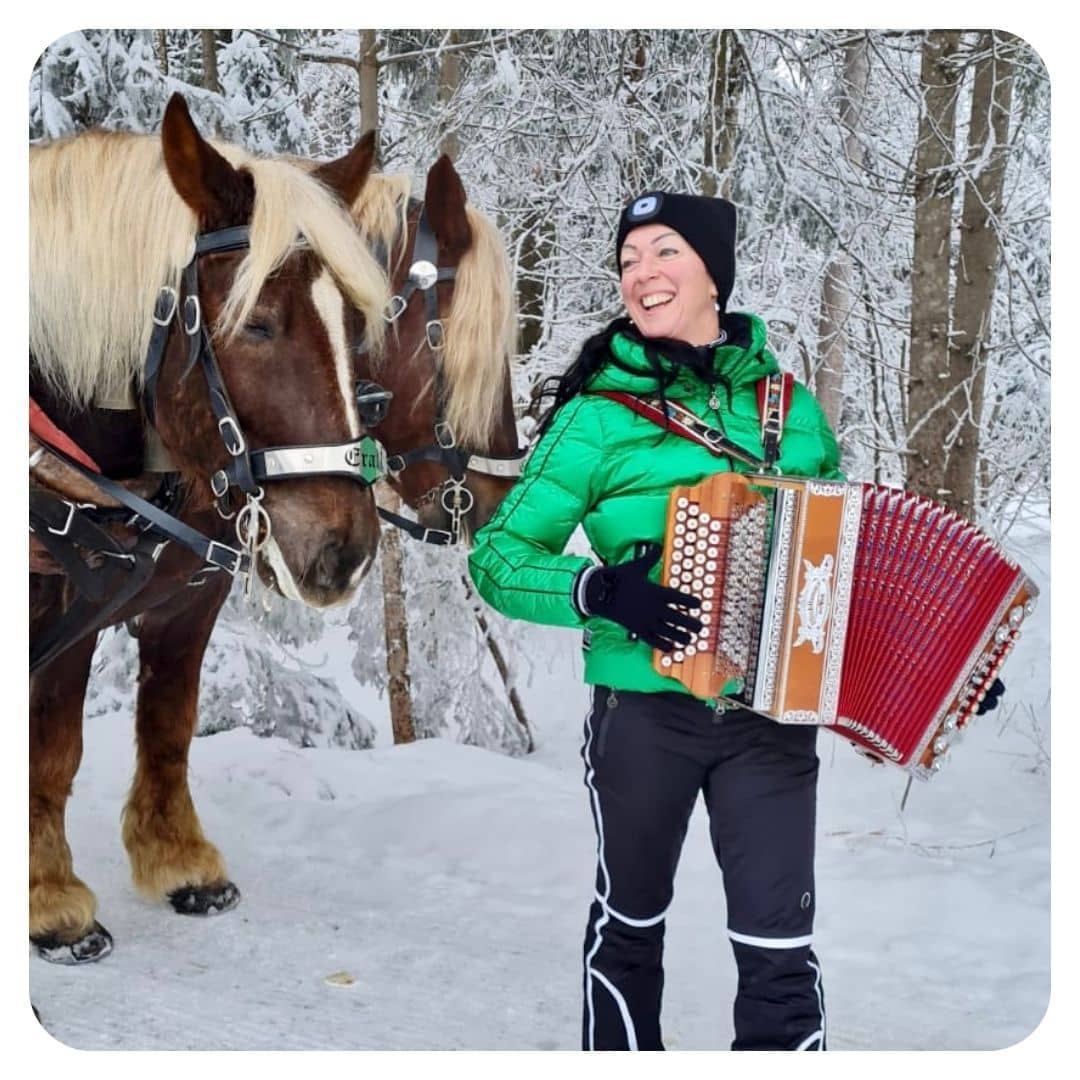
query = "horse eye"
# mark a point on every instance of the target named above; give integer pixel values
(259, 329)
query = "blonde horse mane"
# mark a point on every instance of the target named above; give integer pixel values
(107, 230)
(481, 326)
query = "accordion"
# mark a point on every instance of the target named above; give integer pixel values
(866, 609)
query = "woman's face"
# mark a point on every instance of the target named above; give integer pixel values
(665, 286)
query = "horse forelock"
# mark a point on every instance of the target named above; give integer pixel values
(108, 229)
(481, 325)
(292, 208)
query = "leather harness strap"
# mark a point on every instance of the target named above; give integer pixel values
(47, 432)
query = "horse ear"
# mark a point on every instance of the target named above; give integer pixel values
(444, 202)
(347, 175)
(219, 194)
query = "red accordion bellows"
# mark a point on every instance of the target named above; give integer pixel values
(862, 608)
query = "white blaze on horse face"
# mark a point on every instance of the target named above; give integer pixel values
(285, 581)
(331, 308)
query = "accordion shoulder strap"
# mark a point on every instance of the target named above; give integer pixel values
(680, 420)
(774, 401)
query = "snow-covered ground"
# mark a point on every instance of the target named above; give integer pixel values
(433, 896)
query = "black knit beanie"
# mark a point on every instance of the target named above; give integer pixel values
(707, 225)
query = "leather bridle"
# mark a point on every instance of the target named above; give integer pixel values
(423, 278)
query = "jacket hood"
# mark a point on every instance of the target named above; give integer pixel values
(741, 360)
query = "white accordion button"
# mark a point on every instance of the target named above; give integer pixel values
(679, 657)
(1029, 606)
(710, 565)
(1016, 616)
(682, 502)
(941, 744)
(665, 661)
(1001, 634)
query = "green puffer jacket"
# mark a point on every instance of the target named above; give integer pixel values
(604, 467)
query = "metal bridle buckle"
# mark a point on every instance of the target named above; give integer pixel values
(230, 563)
(434, 331)
(228, 426)
(166, 292)
(192, 306)
(444, 435)
(394, 307)
(66, 527)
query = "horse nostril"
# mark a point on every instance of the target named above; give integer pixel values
(332, 567)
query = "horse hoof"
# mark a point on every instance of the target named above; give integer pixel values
(96, 944)
(205, 899)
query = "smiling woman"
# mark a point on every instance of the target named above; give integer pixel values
(650, 745)
(675, 273)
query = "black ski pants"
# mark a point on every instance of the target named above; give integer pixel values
(647, 757)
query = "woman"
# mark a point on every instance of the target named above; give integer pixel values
(650, 747)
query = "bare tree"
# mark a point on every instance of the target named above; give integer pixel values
(977, 265)
(726, 82)
(208, 42)
(449, 81)
(928, 422)
(396, 627)
(837, 296)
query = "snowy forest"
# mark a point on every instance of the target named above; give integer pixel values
(893, 192)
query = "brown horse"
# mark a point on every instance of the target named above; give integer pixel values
(449, 431)
(250, 349)
(445, 367)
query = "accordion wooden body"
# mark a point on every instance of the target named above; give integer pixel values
(877, 613)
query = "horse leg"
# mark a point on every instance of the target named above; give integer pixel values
(62, 924)
(170, 857)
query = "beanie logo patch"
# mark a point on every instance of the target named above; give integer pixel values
(645, 207)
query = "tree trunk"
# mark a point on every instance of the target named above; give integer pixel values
(639, 172)
(449, 81)
(396, 628)
(369, 82)
(837, 298)
(980, 250)
(726, 80)
(209, 61)
(161, 50)
(928, 423)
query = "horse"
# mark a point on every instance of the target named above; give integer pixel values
(447, 367)
(256, 279)
(450, 435)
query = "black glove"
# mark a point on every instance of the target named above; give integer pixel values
(623, 594)
(993, 696)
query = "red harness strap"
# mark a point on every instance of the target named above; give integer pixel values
(44, 430)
